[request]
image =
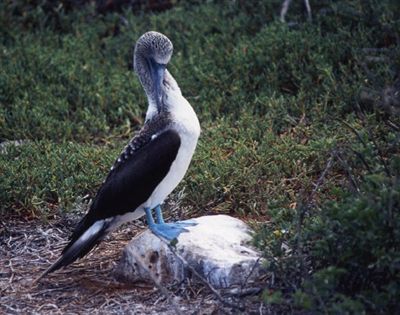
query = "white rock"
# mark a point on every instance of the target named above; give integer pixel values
(217, 248)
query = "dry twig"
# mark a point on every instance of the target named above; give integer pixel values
(168, 295)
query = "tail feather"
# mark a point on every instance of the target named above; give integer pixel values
(83, 225)
(79, 247)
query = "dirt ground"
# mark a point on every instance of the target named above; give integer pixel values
(27, 248)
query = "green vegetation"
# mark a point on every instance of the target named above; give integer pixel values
(288, 140)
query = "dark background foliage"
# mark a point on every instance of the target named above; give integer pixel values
(300, 127)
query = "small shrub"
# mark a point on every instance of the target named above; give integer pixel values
(42, 178)
(343, 257)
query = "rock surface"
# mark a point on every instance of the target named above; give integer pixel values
(217, 248)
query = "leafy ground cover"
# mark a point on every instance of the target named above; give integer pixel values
(300, 129)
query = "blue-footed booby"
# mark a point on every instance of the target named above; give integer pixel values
(151, 165)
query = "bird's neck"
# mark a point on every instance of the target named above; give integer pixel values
(170, 90)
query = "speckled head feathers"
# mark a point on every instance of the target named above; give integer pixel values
(151, 49)
(154, 45)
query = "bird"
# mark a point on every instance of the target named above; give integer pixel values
(150, 166)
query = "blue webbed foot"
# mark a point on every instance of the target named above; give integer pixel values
(168, 231)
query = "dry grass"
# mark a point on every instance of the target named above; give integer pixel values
(87, 286)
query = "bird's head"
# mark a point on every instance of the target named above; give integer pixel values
(153, 51)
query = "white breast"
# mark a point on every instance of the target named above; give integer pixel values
(187, 125)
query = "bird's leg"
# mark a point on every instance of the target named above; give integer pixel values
(159, 215)
(149, 217)
(168, 231)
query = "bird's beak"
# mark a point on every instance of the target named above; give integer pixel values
(159, 78)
